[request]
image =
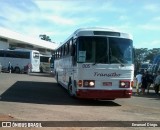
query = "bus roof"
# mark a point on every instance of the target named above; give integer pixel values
(96, 31)
(101, 31)
(45, 55)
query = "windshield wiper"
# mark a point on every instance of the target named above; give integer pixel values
(114, 58)
(103, 57)
(118, 60)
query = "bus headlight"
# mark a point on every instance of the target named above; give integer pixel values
(123, 84)
(88, 83)
(91, 83)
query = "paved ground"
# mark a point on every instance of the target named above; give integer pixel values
(36, 97)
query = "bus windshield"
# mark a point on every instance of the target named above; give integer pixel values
(104, 50)
(44, 59)
(35, 55)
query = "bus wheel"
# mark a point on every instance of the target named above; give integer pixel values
(41, 69)
(57, 78)
(70, 89)
(17, 70)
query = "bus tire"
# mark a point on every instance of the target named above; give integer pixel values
(70, 89)
(17, 70)
(41, 69)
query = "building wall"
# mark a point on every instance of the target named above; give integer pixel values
(4, 45)
(30, 47)
(13, 44)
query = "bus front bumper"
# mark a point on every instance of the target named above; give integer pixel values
(103, 94)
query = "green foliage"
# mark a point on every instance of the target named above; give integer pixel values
(45, 37)
(152, 53)
(140, 54)
(144, 54)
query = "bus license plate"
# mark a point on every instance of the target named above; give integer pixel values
(107, 83)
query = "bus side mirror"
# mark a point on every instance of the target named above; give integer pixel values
(73, 49)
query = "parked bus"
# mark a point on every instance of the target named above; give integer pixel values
(45, 63)
(144, 67)
(96, 63)
(52, 64)
(20, 60)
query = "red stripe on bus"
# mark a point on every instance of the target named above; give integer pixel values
(104, 94)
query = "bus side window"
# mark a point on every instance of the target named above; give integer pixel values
(74, 54)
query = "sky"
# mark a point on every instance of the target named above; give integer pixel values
(60, 18)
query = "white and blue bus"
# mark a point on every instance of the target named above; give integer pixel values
(155, 65)
(20, 60)
(96, 63)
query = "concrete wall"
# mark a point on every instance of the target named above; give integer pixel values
(4, 45)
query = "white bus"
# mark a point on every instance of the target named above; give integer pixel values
(20, 60)
(45, 63)
(96, 63)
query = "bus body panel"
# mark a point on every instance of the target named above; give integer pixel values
(107, 81)
(14, 62)
(35, 61)
(35, 65)
(105, 73)
(21, 59)
(101, 74)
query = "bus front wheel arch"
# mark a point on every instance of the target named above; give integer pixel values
(70, 88)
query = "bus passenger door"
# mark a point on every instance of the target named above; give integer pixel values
(74, 64)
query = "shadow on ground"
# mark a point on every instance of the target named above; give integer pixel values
(41, 74)
(150, 95)
(46, 93)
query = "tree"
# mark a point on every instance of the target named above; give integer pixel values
(45, 37)
(139, 56)
(144, 55)
(152, 53)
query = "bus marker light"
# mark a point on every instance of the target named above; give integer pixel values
(132, 84)
(80, 83)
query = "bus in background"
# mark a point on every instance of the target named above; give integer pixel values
(20, 60)
(96, 63)
(45, 63)
(52, 64)
(144, 67)
(156, 64)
